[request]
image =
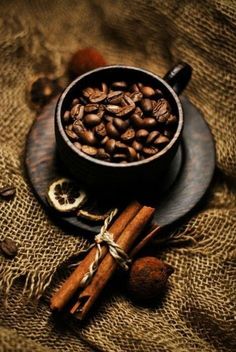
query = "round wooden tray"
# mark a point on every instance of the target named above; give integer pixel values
(184, 184)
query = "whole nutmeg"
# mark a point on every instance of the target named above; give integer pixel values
(148, 277)
(84, 60)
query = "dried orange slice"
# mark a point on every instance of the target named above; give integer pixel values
(65, 196)
(94, 210)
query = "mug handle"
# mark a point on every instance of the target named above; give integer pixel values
(179, 76)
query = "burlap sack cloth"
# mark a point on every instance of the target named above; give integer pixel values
(197, 313)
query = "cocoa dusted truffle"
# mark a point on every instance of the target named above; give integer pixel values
(148, 278)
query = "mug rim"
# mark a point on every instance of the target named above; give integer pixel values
(58, 116)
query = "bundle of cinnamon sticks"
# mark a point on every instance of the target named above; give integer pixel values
(125, 230)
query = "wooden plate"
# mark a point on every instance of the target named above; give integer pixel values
(183, 186)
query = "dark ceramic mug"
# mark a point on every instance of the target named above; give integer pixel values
(101, 175)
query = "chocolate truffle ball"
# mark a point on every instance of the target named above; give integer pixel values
(148, 277)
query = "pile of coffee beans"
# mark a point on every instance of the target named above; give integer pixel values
(120, 122)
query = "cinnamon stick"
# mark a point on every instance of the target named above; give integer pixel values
(152, 234)
(71, 285)
(108, 265)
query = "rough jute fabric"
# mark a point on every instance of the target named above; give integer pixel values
(197, 313)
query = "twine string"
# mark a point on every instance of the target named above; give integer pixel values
(114, 249)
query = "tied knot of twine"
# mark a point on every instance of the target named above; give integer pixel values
(114, 249)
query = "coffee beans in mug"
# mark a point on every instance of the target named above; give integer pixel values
(120, 121)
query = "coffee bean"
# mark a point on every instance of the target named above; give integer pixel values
(119, 157)
(77, 145)
(125, 110)
(172, 119)
(101, 154)
(147, 91)
(121, 125)
(91, 107)
(112, 131)
(114, 109)
(72, 135)
(87, 137)
(128, 135)
(87, 149)
(128, 100)
(161, 119)
(78, 126)
(152, 136)
(149, 122)
(136, 96)
(77, 112)
(104, 88)
(132, 154)
(104, 140)
(142, 134)
(146, 105)
(92, 120)
(161, 140)
(121, 147)
(136, 120)
(119, 85)
(150, 150)
(7, 191)
(97, 97)
(87, 92)
(134, 88)
(66, 116)
(100, 130)
(137, 146)
(110, 146)
(9, 247)
(161, 107)
(77, 129)
(166, 114)
(115, 97)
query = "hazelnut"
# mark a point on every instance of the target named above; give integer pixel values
(148, 278)
(84, 60)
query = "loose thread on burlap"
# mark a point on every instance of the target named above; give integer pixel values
(114, 249)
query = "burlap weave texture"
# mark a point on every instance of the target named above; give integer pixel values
(198, 311)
